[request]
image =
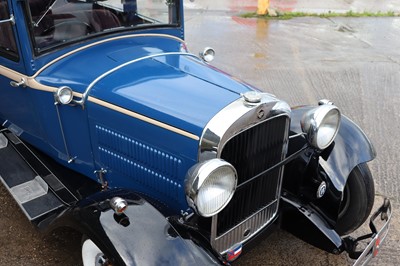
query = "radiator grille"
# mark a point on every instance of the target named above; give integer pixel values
(253, 152)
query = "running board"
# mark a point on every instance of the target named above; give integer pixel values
(35, 188)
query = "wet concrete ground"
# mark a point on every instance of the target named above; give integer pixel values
(307, 6)
(355, 62)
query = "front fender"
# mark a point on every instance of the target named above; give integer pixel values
(304, 174)
(140, 236)
(350, 148)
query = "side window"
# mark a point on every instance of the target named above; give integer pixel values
(8, 46)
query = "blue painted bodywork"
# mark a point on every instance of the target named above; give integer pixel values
(181, 91)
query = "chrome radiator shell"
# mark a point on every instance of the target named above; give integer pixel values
(253, 137)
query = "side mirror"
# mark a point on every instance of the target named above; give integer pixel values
(11, 19)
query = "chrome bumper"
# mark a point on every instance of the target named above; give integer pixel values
(384, 214)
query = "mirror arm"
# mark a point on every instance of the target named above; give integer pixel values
(11, 19)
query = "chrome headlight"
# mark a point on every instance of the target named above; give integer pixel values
(321, 125)
(64, 95)
(210, 186)
(208, 54)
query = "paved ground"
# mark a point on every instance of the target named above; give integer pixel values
(355, 62)
(311, 6)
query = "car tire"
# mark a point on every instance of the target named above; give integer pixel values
(358, 199)
(91, 253)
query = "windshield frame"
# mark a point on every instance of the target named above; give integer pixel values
(32, 23)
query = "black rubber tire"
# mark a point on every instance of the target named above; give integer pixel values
(358, 199)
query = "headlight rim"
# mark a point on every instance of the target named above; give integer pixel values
(313, 120)
(197, 176)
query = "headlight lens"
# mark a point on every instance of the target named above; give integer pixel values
(321, 125)
(208, 54)
(210, 186)
(64, 95)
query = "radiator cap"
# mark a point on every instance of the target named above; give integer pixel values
(252, 96)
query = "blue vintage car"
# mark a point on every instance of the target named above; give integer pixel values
(110, 126)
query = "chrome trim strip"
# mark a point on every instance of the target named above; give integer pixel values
(93, 83)
(143, 118)
(105, 41)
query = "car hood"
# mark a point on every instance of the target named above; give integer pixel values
(174, 88)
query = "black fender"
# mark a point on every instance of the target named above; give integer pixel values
(304, 222)
(140, 236)
(333, 165)
(311, 227)
(350, 148)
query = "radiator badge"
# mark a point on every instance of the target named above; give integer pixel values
(234, 252)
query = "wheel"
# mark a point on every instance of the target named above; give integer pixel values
(358, 198)
(92, 255)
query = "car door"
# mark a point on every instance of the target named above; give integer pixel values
(16, 107)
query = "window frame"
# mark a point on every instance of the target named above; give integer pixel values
(44, 50)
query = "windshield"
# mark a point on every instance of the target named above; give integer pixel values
(61, 21)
